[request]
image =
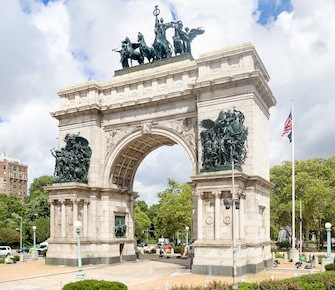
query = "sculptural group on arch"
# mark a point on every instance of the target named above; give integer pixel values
(73, 160)
(224, 141)
(161, 48)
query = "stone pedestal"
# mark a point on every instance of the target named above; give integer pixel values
(97, 210)
(294, 255)
(213, 224)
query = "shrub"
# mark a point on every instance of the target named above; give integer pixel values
(284, 244)
(15, 259)
(279, 256)
(95, 284)
(178, 249)
(324, 280)
(330, 267)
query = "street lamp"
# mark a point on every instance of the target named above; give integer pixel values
(34, 256)
(20, 230)
(80, 274)
(235, 202)
(186, 228)
(328, 227)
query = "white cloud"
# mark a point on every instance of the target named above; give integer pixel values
(67, 42)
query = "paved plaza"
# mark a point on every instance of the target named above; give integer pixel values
(144, 274)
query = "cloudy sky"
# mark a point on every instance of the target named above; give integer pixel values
(47, 45)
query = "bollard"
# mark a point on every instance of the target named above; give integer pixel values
(166, 286)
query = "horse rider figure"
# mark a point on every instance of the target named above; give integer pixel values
(177, 38)
(161, 44)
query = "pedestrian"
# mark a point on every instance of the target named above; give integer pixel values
(8, 259)
(313, 260)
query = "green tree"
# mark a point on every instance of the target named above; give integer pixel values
(174, 210)
(37, 186)
(9, 236)
(314, 186)
(42, 229)
(142, 223)
(38, 206)
(3, 213)
(142, 205)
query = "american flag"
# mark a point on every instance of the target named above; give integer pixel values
(288, 127)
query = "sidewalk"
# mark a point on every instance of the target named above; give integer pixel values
(139, 275)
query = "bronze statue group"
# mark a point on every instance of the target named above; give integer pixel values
(161, 47)
(72, 161)
(224, 141)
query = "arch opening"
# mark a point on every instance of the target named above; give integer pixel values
(157, 167)
(132, 153)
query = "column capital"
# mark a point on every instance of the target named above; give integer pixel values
(62, 200)
(198, 193)
(217, 193)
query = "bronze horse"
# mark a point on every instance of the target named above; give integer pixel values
(131, 53)
(145, 50)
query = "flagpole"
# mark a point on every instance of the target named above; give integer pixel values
(293, 180)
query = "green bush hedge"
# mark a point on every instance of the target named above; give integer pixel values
(283, 245)
(178, 249)
(330, 267)
(317, 281)
(94, 285)
(15, 259)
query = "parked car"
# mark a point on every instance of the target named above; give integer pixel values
(5, 250)
(144, 244)
(23, 250)
(41, 248)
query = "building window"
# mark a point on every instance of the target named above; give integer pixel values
(120, 226)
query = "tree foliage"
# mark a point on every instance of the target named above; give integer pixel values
(37, 186)
(314, 186)
(174, 209)
(142, 223)
(142, 205)
(35, 210)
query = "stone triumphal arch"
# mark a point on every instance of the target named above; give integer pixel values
(179, 100)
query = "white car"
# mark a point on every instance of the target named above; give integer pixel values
(5, 250)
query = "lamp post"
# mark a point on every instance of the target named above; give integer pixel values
(34, 255)
(186, 229)
(20, 230)
(235, 202)
(235, 285)
(328, 227)
(80, 274)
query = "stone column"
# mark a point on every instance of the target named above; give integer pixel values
(64, 221)
(93, 217)
(241, 224)
(200, 218)
(130, 229)
(75, 215)
(85, 218)
(217, 212)
(52, 218)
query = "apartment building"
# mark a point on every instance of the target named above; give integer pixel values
(13, 176)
